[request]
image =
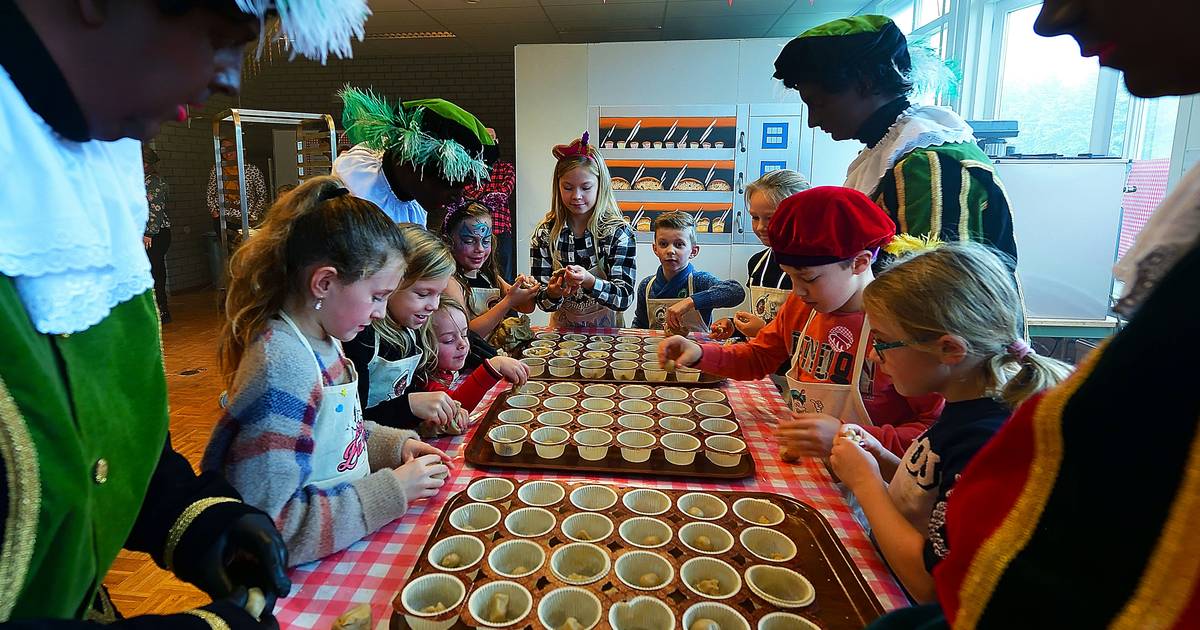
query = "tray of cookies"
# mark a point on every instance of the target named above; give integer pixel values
(628, 429)
(631, 356)
(554, 555)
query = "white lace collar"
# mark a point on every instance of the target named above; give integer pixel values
(918, 127)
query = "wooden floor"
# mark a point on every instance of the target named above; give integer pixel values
(136, 584)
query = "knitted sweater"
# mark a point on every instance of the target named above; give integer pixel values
(264, 445)
(471, 390)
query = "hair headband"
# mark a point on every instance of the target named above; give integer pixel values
(579, 147)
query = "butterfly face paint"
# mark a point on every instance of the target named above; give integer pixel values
(473, 243)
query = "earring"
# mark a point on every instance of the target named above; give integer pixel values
(319, 304)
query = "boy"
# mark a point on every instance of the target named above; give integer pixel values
(825, 239)
(678, 297)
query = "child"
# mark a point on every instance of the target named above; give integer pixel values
(583, 250)
(489, 297)
(391, 352)
(825, 239)
(293, 440)
(769, 286)
(944, 321)
(659, 296)
(449, 326)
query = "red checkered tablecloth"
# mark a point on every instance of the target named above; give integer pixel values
(375, 569)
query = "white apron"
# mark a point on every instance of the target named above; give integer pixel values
(389, 379)
(656, 310)
(843, 402)
(766, 301)
(482, 300)
(587, 311)
(338, 432)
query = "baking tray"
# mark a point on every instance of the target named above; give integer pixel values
(842, 596)
(584, 338)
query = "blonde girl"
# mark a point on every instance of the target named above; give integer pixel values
(488, 297)
(583, 250)
(319, 271)
(945, 321)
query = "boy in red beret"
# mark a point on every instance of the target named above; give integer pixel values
(825, 239)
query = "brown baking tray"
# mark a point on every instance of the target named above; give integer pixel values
(842, 596)
(706, 379)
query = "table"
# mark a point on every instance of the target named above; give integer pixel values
(1073, 328)
(375, 569)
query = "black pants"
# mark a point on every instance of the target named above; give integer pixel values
(159, 244)
(506, 249)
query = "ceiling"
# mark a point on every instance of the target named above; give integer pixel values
(492, 26)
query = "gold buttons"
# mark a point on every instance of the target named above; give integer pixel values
(100, 471)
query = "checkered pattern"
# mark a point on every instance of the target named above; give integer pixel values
(495, 194)
(620, 248)
(375, 569)
(1150, 178)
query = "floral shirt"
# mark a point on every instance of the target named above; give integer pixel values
(233, 202)
(156, 197)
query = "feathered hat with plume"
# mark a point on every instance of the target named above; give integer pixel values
(311, 28)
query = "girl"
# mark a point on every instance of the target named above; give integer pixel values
(489, 297)
(319, 272)
(393, 350)
(944, 321)
(583, 251)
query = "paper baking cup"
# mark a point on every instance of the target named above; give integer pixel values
(709, 395)
(595, 420)
(635, 445)
(782, 587)
(675, 424)
(543, 343)
(679, 448)
(641, 613)
(636, 391)
(585, 561)
(758, 512)
(720, 426)
(541, 493)
(696, 570)
(624, 370)
(554, 418)
(575, 337)
(646, 502)
(599, 345)
(569, 602)
(507, 439)
(475, 517)
(713, 410)
(687, 375)
(559, 403)
(540, 353)
(785, 621)
(600, 391)
(468, 548)
(536, 365)
(430, 590)
(562, 367)
(548, 335)
(571, 344)
(654, 372)
(651, 357)
(633, 405)
(596, 354)
(625, 355)
(597, 404)
(673, 408)
(490, 489)
(711, 508)
(522, 401)
(567, 354)
(520, 603)
(587, 527)
(672, 393)
(550, 442)
(593, 498)
(563, 389)
(530, 388)
(593, 444)
(719, 539)
(629, 347)
(724, 450)
(632, 567)
(511, 555)
(635, 421)
(629, 339)
(515, 416)
(726, 617)
(603, 338)
(593, 368)
(530, 522)
(642, 531)
(768, 544)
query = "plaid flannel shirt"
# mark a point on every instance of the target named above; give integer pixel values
(619, 251)
(495, 193)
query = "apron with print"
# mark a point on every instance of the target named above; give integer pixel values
(585, 311)
(656, 310)
(765, 301)
(389, 379)
(482, 300)
(840, 400)
(338, 432)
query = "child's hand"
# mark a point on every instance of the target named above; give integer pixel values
(678, 350)
(722, 329)
(413, 448)
(748, 323)
(866, 440)
(577, 277)
(676, 312)
(422, 477)
(435, 407)
(853, 464)
(510, 369)
(147, 241)
(556, 288)
(523, 292)
(460, 423)
(808, 434)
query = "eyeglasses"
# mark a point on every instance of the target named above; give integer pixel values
(880, 346)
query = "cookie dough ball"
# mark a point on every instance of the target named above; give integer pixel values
(696, 511)
(497, 610)
(583, 535)
(711, 586)
(571, 624)
(649, 579)
(436, 608)
(520, 570)
(703, 543)
(704, 624)
(451, 560)
(788, 455)
(762, 520)
(651, 540)
(578, 577)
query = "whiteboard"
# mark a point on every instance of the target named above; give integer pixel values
(1067, 222)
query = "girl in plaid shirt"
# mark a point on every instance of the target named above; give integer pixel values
(583, 251)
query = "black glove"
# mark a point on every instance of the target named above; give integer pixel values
(249, 552)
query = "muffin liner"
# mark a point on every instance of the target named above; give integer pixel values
(569, 602)
(507, 439)
(673, 408)
(593, 368)
(785, 621)
(635, 421)
(559, 403)
(641, 613)
(531, 388)
(679, 448)
(520, 603)
(541, 493)
(768, 544)
(522, 401)
(578, 564)
(727, 618)
(636, 446)
(550, 442)
(633, 405)
(725, 450)
(563, 389)
(780, 586)
(475, 517)
(509, 556)
(718, 426)
(696, 570)
(758, 512)
(597, 404)
(645, 532)
(593, 498)
(593, 444)
(675, 424)
(490, 489)
(672, 393)
(429, 590)
(710, 507)
(469, 550)
(714, 410)
(530, 522)
(595, 420)
(636, 391)
(720, 540)
(535, 365)
(554, 418)
(687, 375)
(587, 527)
(515, 416)
(646, 502)
(709, 396)
(636, 569)
(599, 391)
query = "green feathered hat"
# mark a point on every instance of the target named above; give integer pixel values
(426, 132)
(312, 28)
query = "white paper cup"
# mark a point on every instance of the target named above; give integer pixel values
(571, 344)
(675, 424)
(593, 444)
(636, 391)
(595, 420)
(575, 337)
(672, 393)
(543, 343)
(726, 617)
(595, 354)
(646, 502)
(541, 493)
(780, 586)
(559, 403)
(548, 335)
(785, 621)
(554, 418)
(709, 395)
(597, 404)
(634, 405)
(563, 389)
(531, 388)
(679, 448)
(475, 517)
(587, 527)
(696, 570)
(550, 442)
(635, 445)
(710, 507)
(629, 339)
(539, 353)
(522, 401)
(600, 391)
(536, 365)
(768, 544)
(653, 371)
(515, 416)
(530, 522)
(645, 532)
(593, 498)
(644, 570)
(759, 512)
(569, 602)
(723, 450)
(651, 356)
(602, 338)
(629, 347)
(599, 345)
(693, 536)
(562, 367)
(635, 421)
(520, 602)
(714, 410)
(507, 439)
(593, 368)
(625, 355)
(430, 590)
(490, 489)
(673, 408)
(641, 613)
(578, 564)
(719, 426)
(687, 374)
(516, 558)
(624, 370)
(468, 549)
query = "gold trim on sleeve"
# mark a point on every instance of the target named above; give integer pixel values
(212, 619)
(22, 477)
(184, 521)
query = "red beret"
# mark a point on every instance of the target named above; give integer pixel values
(827, 224)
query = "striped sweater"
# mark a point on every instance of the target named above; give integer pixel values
(264, 445)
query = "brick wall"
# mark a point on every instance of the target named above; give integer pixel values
(482, 84)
